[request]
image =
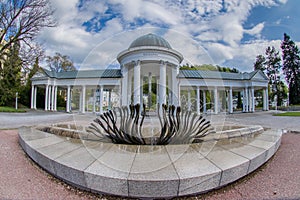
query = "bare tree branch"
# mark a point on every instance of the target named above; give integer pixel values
(21, 21)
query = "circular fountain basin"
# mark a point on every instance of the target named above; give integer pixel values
(152, 171)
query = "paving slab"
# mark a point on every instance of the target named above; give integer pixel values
(109, 173)
(196, 173)
(152, 174)
(256, 155)
(232, 165)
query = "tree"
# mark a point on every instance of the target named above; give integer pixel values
(60, 63)
(10, 76)
(25, 91)
(291, 68)
(260, 63)
(270, 64)
(21, 20)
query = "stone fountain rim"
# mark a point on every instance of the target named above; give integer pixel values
(52, 153)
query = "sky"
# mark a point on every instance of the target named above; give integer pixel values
(228, 33)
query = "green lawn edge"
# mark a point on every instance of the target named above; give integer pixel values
(288, 114)
(11, 109)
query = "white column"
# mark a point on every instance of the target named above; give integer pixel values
(189, 100)
(267, 99)
(198, 100)
(68, 98)
(109, 99)
(32, 97)
(83, 99)
(125, 85)
(162, 83)
(129, 94)
(137, 83)
(230, 105)
(49, 97)
(175, 87)
(46, 97)
(216, 100)
(55, 98)
(169, 86)
(204, 100)
(52, 97)
(246, 100)
(101, 99)
(94, 101)
(244, 104)
(157, 90)
(253, 99)
(150, 90)
(249, 100)
(141, 91)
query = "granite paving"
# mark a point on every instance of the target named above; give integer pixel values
(277, 179)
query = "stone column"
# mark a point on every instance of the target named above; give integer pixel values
(68, 98)
(267, 99)
(162, 83)
(49, 97)
(55, 98)
(189, 100)
(101, 99)
(129, 94)
(216, 100)
(249, 100)
(141, 91)
(264, 100)
(46, 97)
(246, 100)
(32, 97)
(175, 87)
(94, 100)
(52, 97)
(83, 99)
(230, 105)
(150, 90)
(198, 100)
(137, 83)
(109, 99)
(204, 100)
(253, 99)
(125, 85)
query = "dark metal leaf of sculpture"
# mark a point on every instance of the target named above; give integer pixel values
(176, 127)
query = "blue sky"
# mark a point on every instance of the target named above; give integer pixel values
(222, 32)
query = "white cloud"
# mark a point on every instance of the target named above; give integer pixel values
(203, 31)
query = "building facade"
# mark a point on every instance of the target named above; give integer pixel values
(149, 73)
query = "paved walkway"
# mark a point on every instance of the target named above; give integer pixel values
(20, 178)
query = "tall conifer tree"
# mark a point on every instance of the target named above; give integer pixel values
(291, 68)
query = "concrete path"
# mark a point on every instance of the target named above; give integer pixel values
(20, 178)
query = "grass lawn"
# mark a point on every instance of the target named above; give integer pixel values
(10, 109)
(289, 114)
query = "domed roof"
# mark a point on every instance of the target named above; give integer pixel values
(150, 40)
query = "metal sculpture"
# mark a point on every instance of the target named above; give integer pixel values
(176, 127)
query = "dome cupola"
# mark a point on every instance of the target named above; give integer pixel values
(150, 40)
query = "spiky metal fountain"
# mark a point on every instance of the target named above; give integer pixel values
(177, 127)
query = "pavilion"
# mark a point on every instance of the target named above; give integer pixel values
(150, 59)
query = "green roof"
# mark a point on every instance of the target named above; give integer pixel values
(106, 73)
(207, 74)
(188, 74)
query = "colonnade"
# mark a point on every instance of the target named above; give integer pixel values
(51, 98)
(247, 93)
(162, 84)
